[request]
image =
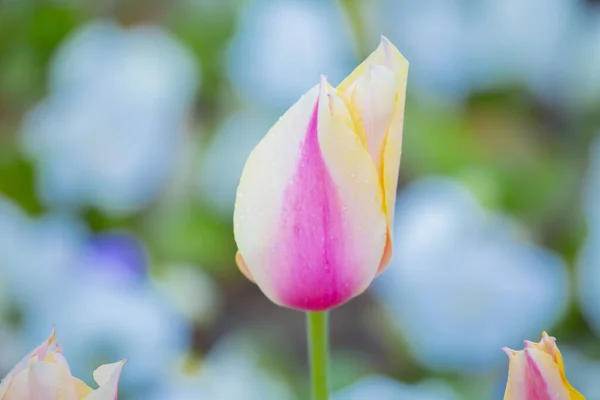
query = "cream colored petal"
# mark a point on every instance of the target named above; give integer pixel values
(386, 55)
(81, 388)
(372, 102)
(39, 353)
(515, 385)
(4, 385)
(49, 381)
(19, 386)
(107, 376)
(50, 345)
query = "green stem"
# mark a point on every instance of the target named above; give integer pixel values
(318, 353)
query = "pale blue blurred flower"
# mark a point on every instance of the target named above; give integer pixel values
(105, 309)
(13, 230)
(230, 372)
(282, 46)
(384, 388)
(588, 270)
(224, 158)
(94, 290)
(434, 36)
(586, 64)
(591, 188)
(457, 46)
(35, 254)
(508, 48)
(464, 283)
(110, 130)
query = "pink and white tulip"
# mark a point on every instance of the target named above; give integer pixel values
(537, 373)
(44, 374)
(315, 203)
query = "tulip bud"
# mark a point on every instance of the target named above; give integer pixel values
(45, 375)
(537, 373)
(314, 206)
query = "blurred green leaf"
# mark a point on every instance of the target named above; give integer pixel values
(192, 234)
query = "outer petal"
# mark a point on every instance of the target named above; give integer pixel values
(19, 386)
(309, 218)
(81, 388)
(43, 380)
(51, 381)
(107, 376)
(39, 353)
(5, 385)
(533, 375)
(388, 56)
(48, 346)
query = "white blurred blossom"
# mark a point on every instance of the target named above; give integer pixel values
(464, 282)
(230, 372)
(110, 130)
(282, 46)
(384, 388)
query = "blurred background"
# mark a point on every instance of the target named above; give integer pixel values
(124, 126)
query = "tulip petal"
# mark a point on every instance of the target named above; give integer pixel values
(239, 260)
(81, 388)
(386, 56)
(107, 376)
(543, 378)
(50, 381)
(48, 347)
(537, 373)
(39, 353)
(309, 218)
(18, 388)
(372, 101)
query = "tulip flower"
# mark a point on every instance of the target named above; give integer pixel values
(538, 373)
(45, 375)
(315, 202)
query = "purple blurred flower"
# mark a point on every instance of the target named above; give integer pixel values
(113, 257)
